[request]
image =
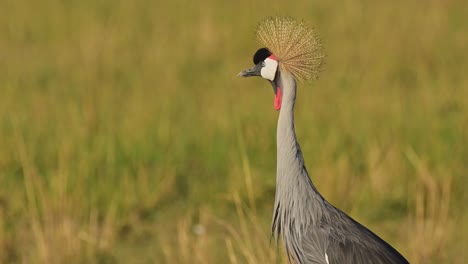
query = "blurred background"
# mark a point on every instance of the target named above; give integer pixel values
(126, 137)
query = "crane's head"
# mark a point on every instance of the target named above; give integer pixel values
(290, 46)
(266, 66)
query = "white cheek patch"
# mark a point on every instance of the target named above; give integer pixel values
(269, 70)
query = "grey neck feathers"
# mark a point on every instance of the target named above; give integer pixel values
(297, 202)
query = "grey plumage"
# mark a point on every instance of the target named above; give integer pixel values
(313, 231)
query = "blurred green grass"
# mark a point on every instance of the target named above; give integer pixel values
(125, 136)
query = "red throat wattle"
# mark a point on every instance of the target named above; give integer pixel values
(278, 98)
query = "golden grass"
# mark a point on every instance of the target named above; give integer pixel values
(125, 136)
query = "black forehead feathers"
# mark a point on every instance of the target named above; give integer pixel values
(261, 55)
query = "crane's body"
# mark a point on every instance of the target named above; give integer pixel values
(312, 230)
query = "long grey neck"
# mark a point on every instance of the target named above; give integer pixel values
(287, 145)
(297, 200)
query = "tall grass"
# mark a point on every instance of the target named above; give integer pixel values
(125, 136)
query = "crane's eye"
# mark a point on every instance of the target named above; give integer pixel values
(263, 64)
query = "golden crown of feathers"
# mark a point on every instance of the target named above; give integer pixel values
(297, 47)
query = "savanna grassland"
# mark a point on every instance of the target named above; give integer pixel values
(125, 136)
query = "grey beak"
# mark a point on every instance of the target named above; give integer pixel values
(254, 71)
